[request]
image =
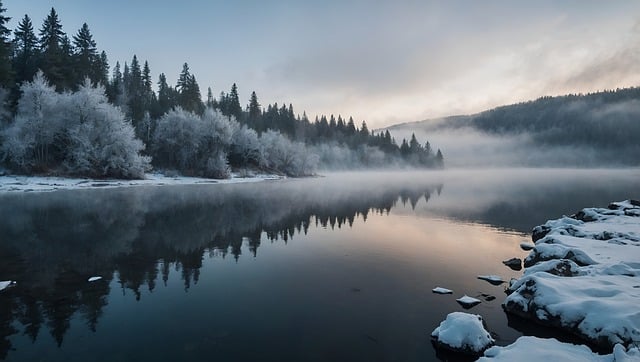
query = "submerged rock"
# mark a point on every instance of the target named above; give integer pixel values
(581, 277)
(463, 333)
(527, 246)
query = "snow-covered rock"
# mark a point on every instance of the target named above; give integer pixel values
(464, 333)
(441, 290)
(467, 301)
(493, 279)
(533, 349)
(583, 276)
(6, 284)
(526, 246)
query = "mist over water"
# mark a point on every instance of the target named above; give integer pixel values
(338, 267)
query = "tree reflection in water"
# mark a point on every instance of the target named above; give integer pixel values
(53, 242)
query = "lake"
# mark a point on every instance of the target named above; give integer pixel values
(333, 268)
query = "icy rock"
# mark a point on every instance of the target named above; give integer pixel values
(493, 279)
(93, 279)
(468, 302)
(440, 290)
(513, 263)
(534, 349)
(463, 333)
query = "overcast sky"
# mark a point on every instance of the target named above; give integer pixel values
(381, 61)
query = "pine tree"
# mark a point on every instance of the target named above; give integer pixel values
(101, 70)
(6, 69)
(254, 108)
(166, 96)
(210, 99)
(52, 57)
(234, 107)
(25, 45)
(86, 55)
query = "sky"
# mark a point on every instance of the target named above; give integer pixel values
(384, 62)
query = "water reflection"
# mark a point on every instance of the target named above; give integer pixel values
(135, 238)
(53, 242)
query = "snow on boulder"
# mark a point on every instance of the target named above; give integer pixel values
(440, 290)
(493, 279)
(583, 276)
(513, 263)
(467, 301)
(526, 246)
(534, 349)
(6, 284)
(463, 333)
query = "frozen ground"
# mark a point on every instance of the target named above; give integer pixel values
(583, 276)
(12, 183)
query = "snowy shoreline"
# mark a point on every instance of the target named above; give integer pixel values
(582, 277)
(16, 184)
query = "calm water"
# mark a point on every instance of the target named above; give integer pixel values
(338, 268)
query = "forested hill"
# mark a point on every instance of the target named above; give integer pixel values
(606, 125)
(606, 119)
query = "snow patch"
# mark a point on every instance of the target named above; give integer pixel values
(93, 279)
(12, 183)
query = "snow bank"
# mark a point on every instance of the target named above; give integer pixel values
(463, 332)
(583, 276)
(10, 183)
(533, 349)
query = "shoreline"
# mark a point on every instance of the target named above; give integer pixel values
(18, 183)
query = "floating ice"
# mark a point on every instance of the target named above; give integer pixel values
(93, 279)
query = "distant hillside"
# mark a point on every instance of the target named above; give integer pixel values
(604, 125)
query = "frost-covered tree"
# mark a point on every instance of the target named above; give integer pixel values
(71, 133)
(30, 142)
(102, 142)
(175, 140)
(282, 155)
